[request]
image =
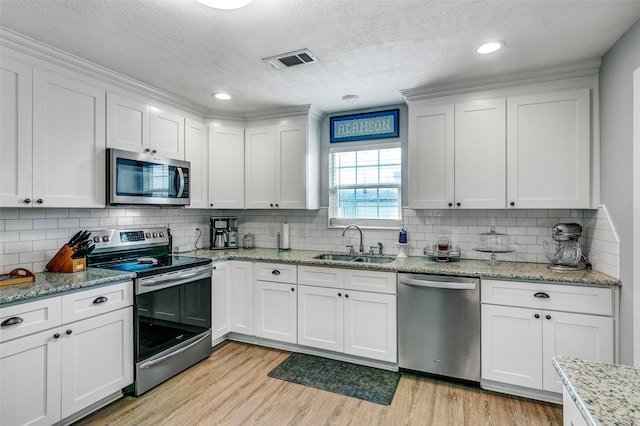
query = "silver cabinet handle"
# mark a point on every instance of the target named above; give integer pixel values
(11, 321)
(541, 295)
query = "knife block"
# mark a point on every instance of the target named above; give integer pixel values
(62, 261)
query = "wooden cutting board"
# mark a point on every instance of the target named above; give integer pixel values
(18, 275)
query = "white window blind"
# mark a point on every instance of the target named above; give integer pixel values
(364, 184)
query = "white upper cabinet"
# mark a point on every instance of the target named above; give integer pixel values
(549, 146)
(281, 167)
(195, 151)
(522, 144)
(16, 166)
(457, 155)
(135, 125)
(226, 167)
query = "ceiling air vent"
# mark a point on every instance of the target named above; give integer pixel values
(291, 59)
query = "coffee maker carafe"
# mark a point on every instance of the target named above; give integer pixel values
(564, 252)
(223, 232)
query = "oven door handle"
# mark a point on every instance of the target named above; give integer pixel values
(176, 280)
(151, 363)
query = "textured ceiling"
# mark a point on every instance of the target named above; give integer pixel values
(372, 48)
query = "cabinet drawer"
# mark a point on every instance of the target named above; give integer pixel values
(36, 316)
(96, 301)
(321, 276)
(379, 282)
(278, 272)
(587, 300)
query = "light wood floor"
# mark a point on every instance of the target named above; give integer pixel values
(231, 387)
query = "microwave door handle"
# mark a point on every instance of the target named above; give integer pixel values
(180, 187)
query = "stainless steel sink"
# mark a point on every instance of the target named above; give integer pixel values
(359, 258)
(374, 259)
(338, 257)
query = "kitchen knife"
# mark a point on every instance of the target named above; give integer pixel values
(74, 239)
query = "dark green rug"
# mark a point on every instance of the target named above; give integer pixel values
(358, 381)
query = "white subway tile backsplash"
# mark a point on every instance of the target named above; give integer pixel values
(32, 213)
(18, 224)
(57, 213)
(69, 223)
(45, 223)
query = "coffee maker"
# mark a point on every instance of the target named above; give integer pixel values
(564, 252)
(223, 233)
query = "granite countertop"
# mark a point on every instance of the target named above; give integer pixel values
(605, 394)
(419, 264)
(52, 283)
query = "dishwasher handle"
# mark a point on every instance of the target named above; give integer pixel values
(438, 284)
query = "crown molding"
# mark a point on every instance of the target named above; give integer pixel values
(52, 55)
(585, 68)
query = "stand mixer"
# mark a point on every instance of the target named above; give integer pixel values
(564, 252)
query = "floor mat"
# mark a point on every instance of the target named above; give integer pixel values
(358, 381)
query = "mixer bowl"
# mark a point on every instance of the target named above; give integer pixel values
(562, 253)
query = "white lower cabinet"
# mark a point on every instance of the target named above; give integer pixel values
(276, 311)
(524, 325)
(360, 323)
(241, 297)
(52, 374)
(220, 301)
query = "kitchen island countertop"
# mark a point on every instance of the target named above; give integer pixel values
(49, 284)
(422, 265)
(605, 394)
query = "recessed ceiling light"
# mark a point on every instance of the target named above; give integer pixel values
(222, 96)
(489, 47)
(225, 4)
(350, 98)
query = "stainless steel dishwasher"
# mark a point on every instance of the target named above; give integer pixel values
(439, 325)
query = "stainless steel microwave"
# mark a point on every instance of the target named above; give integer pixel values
(145, 179)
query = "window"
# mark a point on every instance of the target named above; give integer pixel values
(364, 184)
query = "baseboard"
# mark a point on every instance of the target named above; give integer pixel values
(540, 395)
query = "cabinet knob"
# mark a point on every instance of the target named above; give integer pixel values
(346, 295)
(154, 151)
(541, 295)
(69, 331)
(56, 336)
(512, 204)
(537, 316)
(293, 289)
(548, 316)
(214, 267)
(11, 321)
(277, 205)
(101, 299)
(450, 204)
(271, 205)
(39, 201)
(339, 294)
(147, 150)
(27, 200)
(211, 204)
(458, 204)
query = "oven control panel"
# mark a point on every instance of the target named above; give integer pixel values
(121, 239)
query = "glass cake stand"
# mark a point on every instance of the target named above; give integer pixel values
(493, 250)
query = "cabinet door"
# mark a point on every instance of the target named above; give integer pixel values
(166, 133)
(291, 166)
(16, 168)
(588, 337)
(511, 345)
(431, 156)
(480, 154)
(226, 167)
(260, 168)
(68, 142)
(220, 301)
(370, 325)
(195, 151)
(321, 317)
(549, 146)
(127, 123)
(242, 297)
(276, 311)
(30, 385)
(97, 359)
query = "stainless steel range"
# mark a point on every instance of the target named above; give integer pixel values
(172, 308)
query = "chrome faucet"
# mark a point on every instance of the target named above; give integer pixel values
(361, 250)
